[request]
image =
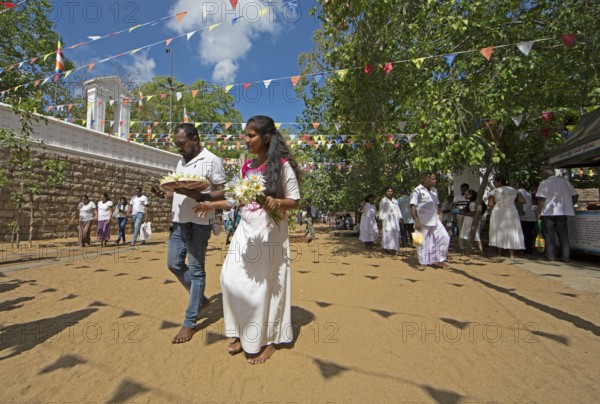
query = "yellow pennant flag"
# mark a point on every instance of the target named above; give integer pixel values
(48, 54)
(134, 51)
(342, 73)
(213, 26)
(228, 87)
(68, 72)
(264, 11)
(132, 28)
(196, 124)
(149, 97)
(277, 125)
(418, 62)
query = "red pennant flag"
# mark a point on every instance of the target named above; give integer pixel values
(487, 52)
(547, 116)
(387, 67)
(568, 40)
(295, 80)
(233, 3)
(369, 69)
(56, 76)
(180, 16)
(546, 132)
(246, 85)
(32, 61)
(316, 125)
(163, 96)
(8, 5)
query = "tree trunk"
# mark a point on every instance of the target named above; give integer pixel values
(30, 219)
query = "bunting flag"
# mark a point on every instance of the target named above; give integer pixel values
(369, 69)
(180, 16)
(266, 83)
(546, 132)
(547, 116)
(91, 66)
(487, 52)
(418, 62)
(525, 47)
(387, 67)
(246, 85)
(194, 93)
(450, 58)
(342, 73)
(233, 3)
(568, 40)
(186, 118)
(294, 80)
(60, 62)
(517, 120)
(213, 26)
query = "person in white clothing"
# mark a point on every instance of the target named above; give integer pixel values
(368, 222)
(105, 207)
(528, 219)
(505, 226)
(137, 209)
(390, 216)
(87, 214)
(424, 205)
(256, 278)
(556, 201)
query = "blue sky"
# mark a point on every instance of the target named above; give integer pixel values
(252, 50)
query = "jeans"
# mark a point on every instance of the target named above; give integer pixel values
(138, 218)
(122, 221)
(309, 229)
(192, 240)
(555, 231)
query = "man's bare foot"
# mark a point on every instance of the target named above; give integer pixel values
(234, 347)
(184, 335)
(265, 353)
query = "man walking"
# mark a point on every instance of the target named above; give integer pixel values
(556, 200)
(311, 215)
(190, 233)
(137, 208)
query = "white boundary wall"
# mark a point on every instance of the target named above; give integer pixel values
(68, 138)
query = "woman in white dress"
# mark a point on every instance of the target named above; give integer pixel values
(390, 216)
(255, 277)
(505, 226)
(368, 222)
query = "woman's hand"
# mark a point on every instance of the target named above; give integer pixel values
(203, 208)
(271, 204)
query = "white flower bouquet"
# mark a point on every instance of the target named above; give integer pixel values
(249, 191)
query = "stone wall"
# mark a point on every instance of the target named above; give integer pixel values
(54, 208)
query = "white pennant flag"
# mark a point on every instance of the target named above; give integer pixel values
(179, 95)
(344, 137)
(243, 126)
(111, 123)
(337, 126)
(45, 80)
(190, 34)
(518, 119)
(402, 125)
(111, 102)
(267, 83)
(94, 37)
(525, 47)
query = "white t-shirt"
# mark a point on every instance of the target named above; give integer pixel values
(404, 204)
(138, 204)
(426, 203)
(558, 194)
(86, 212)
(205, 164)
(104, 210)
(527, 206)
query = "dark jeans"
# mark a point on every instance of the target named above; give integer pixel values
(407, 231)
(122, 221)
(529, 234)
(555, 231)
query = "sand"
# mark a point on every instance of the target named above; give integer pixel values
(369, 328)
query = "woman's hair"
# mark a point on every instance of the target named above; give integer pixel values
(278, 150)
(369, 196)
(386, 189)
(123, 199)
(104, 194)
(500, 178)
(84, 196)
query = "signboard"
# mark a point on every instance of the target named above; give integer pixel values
(584, 231)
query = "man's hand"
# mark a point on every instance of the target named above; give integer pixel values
(417, 225)
(203, 208)
(157, 191)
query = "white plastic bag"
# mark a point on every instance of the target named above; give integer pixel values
(146, 231)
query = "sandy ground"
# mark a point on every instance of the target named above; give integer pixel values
(369, 328)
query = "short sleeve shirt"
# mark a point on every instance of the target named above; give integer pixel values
(558, 194)
(138, 204)
(427, 203)
(205, 164)
(104, 210)
(86, 212)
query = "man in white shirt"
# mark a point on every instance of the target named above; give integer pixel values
(556, 200)
(137, 208)
(190, 233)
(408, 224)
(424, 208)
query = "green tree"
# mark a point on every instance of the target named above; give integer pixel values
(462, 112)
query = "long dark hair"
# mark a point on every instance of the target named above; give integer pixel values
(265, 126)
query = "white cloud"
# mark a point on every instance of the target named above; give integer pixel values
(225, 46)
(142, 68)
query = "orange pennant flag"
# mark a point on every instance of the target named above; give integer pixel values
(194, 93)
(316, 125)
(227, 125)
(487, 52)
(168, 41)
(70, 107)
(180, 16)
(295, 80)
(387, 67)
(91, 66)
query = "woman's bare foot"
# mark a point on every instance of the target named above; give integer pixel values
(265, 353)
(184, 335)
(234, 347)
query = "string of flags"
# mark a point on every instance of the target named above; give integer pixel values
(9, 6)
(91, 65)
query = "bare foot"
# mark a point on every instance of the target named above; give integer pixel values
(184, 335)
(234, 347)
(443, 265)
(265, 353)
